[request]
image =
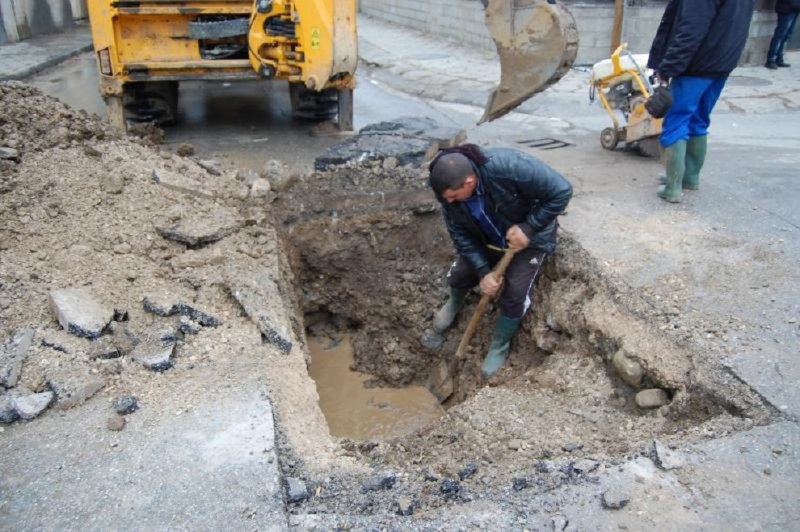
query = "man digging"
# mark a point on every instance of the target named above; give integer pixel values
(496, 200)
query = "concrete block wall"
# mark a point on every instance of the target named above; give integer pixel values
(22, 19)
(456, 20)
(462, 21)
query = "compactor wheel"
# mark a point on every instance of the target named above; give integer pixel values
(609, 138)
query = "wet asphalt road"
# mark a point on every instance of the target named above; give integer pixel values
(245, 123)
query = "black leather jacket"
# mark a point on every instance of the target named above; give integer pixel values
(701, 37)
(520, 190)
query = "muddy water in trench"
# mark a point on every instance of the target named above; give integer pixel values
(359, 413)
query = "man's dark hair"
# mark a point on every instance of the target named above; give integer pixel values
(450, 172)
(452, 166)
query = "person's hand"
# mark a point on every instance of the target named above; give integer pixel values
(490, 284)
(516, 238)
(661, 79)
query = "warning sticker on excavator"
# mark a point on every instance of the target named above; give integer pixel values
(316, 38)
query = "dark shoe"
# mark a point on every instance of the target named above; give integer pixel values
(695, 157)
(772, 66)
(501, 341)
(782, 64)
(675, 162)
(446, 315)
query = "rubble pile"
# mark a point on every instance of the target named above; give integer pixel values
(113, 258)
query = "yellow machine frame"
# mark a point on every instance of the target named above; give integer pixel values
(149, 40)
(640, 125)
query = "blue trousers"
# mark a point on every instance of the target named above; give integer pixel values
(693, 99)
(783, 32)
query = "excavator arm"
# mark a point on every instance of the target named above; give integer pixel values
(537, 41)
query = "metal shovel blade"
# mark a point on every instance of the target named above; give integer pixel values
(537, 42)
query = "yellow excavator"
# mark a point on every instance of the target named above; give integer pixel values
(145, 48)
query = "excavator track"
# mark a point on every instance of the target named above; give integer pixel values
(537, 41)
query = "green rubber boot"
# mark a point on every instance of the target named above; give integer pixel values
(501, 341)
(675, 162)
(695, 157)
(446, 315)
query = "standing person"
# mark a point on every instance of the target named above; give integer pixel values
(697, 45)
(787, 11)
(494, 200)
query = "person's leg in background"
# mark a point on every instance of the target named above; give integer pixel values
(780, 62)
(697, 145)
(687, 92)
(782, 32)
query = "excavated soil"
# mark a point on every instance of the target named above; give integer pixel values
(371, 252)
(362, 250)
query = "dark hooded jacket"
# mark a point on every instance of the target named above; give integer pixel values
(701, 37)
(519, 190)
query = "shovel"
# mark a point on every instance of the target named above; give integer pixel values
(498, 271)
(441, 382)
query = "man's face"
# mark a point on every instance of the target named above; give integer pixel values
(462, 193)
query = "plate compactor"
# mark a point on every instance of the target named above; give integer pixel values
(623, 86)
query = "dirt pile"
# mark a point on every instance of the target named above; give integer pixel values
(592, 378)
(154, 238)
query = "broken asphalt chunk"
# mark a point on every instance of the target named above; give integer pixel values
(188, 326)
(377, 147)
(296, 490)
(125, 404)
(155, 352)
(616, 498)
(79, 313)
(420, 128)
(179, 183)
(261, 300)
(467, 471)
(73, 387)
(450, 488)
(382, 481)
(666, 458)
(30, 405)
(200, 229)
(167, 305)
(8, 411)
(12, 355)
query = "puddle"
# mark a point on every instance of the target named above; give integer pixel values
(359, 413)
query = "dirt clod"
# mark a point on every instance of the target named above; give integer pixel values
(115, 423)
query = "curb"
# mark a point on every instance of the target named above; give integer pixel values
(49, 62)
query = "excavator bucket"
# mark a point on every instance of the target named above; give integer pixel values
(537, 41)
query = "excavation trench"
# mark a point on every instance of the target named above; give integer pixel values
(371, 265)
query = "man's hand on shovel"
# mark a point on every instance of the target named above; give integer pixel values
(517, 240)
(491, 284)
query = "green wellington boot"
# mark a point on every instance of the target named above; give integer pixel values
(695, 157)
(675, 162)
(446, 315)
(501, 341)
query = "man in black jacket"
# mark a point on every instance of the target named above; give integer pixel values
(492, 201)
(787, 11)
(697, 45)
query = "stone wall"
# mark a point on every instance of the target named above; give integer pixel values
(462, 21)
(22, 19)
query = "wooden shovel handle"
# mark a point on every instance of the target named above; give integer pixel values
(498, 271)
